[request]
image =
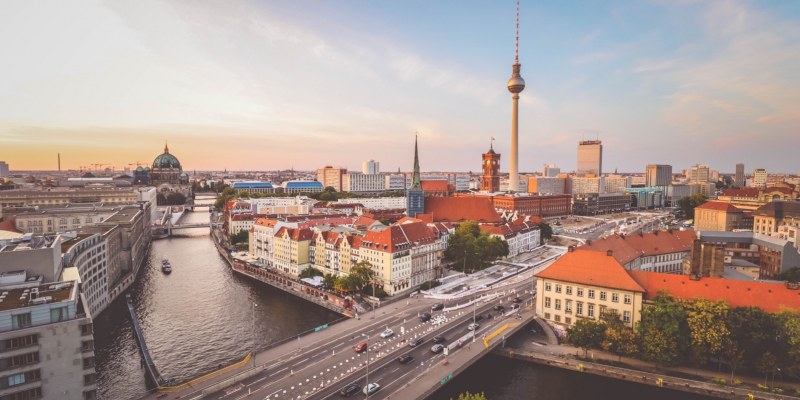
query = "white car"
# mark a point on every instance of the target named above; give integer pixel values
(473, 326)
(387, 333)
(371, 388)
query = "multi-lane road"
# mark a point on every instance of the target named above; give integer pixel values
(322, 369)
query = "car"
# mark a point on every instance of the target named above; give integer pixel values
(437, 348)
(499, 307)
(424, 317)
(437, 307)
(387, 333)
(515, 306)
(371, 388)
(517, 300)
(439, 339)
(473, 326)
(350, 390)
(415, 342)
(360, 347)
(405, 359)
(478, 317)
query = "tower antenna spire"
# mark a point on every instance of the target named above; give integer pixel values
(516, 39)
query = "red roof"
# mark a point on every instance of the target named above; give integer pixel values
(770, 297)
(628, 248)
(743, 192)
(591, 268)
(399, 237)
(718, 206)
(296, 235)
(9, 225)
(406, 220)
(434, 185)
(461, 209)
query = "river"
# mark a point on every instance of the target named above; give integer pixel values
(202, 316)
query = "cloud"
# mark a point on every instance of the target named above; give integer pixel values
(592, 58)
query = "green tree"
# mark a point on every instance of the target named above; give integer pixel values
(753, 331)
(663, 331)
(792, 275)
(329, 281)
(242, 236)
(688, 203)
(362, 274)
(309, 272)
(767, 364)
(586, 334)
(469, 249)
(347, 283)
(708, 329)
(620, 340)
(472, 396)
(789, 334)
(545, 231)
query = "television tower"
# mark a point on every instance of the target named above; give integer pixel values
(515, 85)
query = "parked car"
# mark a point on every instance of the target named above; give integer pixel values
(371, 388)
(473, 326)
(437, 348)
(437, 307)
(387, 333)
(424, 317)
(415, 342)
(360, 347)
(515, 306)
(517, 300)
(405, 359)
(350, 390)
(439, 339)
(499, 307)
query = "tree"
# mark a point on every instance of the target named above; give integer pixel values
(767, 364)
(792, 275)
(688, 203)
(309, 273)
(789, 334)
(620, 340)
(243, 236)
(329, 281)
(753, 332)
(362, 274)
(545, 231)
(347, 283)
(708, 330)
(586, 334)
(470, 249)
(472, 396)
(663, 331)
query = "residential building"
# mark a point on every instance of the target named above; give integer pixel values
(546, 185)
(590, 157)
(770, 256)
(658, 251)
(331, 177)
(699, 173)
(616, 184)
(364, 183)
(738, 179)
(505, 183)
(46, 342)
(760, 178)
(291, 250)
(396, 183)
(378, 203)
(600, 203)
(585, 285)
(658, 175)
(490, 180)
(522, 236)
(718, 216)
(589, 184)
(780, 219)
(65, 196)
(370, 167)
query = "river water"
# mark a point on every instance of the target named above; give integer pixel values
(202, 316)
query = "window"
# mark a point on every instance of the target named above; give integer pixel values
(568, 306)
(547, 315)
(547, 286)
(20, 321)
(558, 318)
(558, 288)
(16, 379)
(547, 302)
(569, 290)
(591, 293)
(627, 299)
(18, 342)
(58, 314)
(626, 317)
(579, 308)
(558, 304)
(590, 311)
(580, 292)
(567, 320)
(615, 297)
(602, 296)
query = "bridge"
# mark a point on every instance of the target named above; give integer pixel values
(167, 223)
(318, 364)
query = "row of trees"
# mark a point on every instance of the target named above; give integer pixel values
(700, 332)
(360, 280)
(469, 249)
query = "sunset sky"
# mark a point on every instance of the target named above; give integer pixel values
(279, 84)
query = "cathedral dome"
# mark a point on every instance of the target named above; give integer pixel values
(166, 160)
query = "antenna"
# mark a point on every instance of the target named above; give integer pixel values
(516, 41)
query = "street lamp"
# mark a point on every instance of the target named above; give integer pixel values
(367, 353)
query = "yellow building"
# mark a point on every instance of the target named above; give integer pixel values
(717, 216)
(585, 284)
(291, 250)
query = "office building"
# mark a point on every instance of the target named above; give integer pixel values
(600, 203)
(658, 175)
(331, 177)
(616, 183)
(364, 183)
(760, 178)
(4, 172)
(739, 177)
(551, 171)
(582, 185)
(699, 174)
(546, 185)
(370, 167)
(590, 157)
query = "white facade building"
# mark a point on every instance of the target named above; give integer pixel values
(371, 167)
(363, 183)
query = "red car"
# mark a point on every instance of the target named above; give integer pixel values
(360, 347)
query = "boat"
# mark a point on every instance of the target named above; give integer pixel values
(165, 266)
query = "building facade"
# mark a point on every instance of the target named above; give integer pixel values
(364, 183)
(600, 203)
(331, 177)
(658, 175)
(738, 179)
(546, 185)
(590, 157)
(718, 216)
(760, 178)
(699, 173)
(370, 167)
(490, 180)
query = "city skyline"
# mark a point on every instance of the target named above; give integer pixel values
(257, 86)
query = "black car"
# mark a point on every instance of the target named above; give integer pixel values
(350, 390)
(437, 307)
(439, 339)
(499, 307)
(415, 342)
(517, 300)
(405, 359)
(424, 317)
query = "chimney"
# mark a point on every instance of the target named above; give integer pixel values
(609, 252)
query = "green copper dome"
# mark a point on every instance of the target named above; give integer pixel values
(166, 160)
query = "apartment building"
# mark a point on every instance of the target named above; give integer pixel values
(64, 196)
(658, 251)
(59, 220)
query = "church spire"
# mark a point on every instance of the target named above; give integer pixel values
(166, 147)
(415, 179)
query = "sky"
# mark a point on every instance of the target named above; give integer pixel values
(262, 85)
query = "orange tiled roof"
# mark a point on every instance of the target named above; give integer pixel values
(770, 297)
(399, 237)
(406, 220)
(628, 248)
(718, 206)
(297, 235)
(430, 185)
(365, 221)
(591, 268)
(461, 209)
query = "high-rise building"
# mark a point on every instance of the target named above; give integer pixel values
(739, 178)
(699, 174)
(658, 175)
(551, 171)
(330, 176)
(515, 85)
(4, 169)
(371, 167)
(490, 181)
(760, 178)
(590, 157)
(415, 196)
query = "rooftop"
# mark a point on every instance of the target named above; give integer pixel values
(124, 215)
(628, 248)
(252, 185)
(590, 268)
(53, 292)
(461, 209)
(718, 206)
